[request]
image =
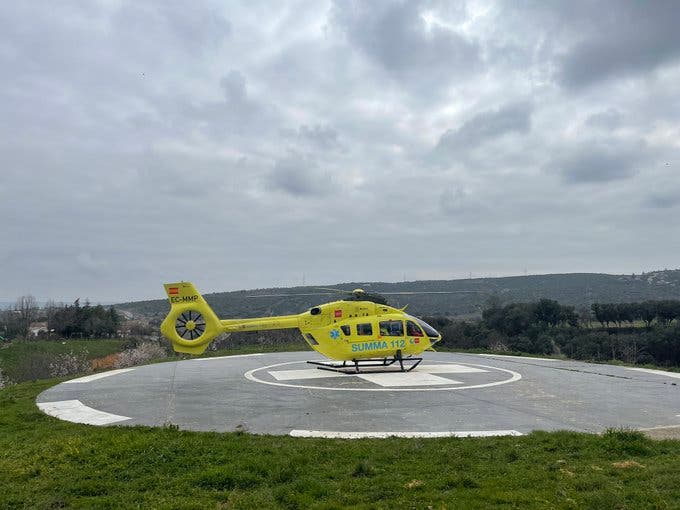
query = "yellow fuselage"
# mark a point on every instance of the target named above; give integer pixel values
(348, 330)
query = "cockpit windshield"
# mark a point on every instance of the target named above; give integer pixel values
(429, 330)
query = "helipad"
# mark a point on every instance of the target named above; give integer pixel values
(447, 395)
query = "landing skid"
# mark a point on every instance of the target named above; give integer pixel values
(382, 365)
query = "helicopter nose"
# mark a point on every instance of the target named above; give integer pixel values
(431, 333)
(434, 338)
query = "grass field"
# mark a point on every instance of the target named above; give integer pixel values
(48, 463)
(16, 358)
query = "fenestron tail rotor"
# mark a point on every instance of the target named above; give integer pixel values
(190, 325)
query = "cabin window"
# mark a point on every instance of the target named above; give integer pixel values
(346, 330)
(364, 329)
(392, 328)
(412, 329)
(311, 339)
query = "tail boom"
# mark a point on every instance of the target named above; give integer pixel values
(191, 324)
(263, 324)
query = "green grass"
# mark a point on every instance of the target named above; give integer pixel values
(48, 463)
(13, 357)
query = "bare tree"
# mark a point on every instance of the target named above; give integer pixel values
(50, 311)
(27, 309)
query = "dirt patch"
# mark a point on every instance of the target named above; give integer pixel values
(414, 484)
(107, 362)
(627, 464)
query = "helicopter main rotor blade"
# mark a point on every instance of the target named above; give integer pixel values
(403, 293)
(341, 291)
(372, 292)
(290, 295)
(432, 292)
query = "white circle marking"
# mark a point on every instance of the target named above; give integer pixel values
(250, 376)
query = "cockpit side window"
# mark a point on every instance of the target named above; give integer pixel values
(412, 329)
(345, 329)
(392, 328)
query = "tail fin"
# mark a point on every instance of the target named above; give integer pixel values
(191, 324)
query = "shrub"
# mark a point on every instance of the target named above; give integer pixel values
(69, 364)
(32, 367)
(143, 353)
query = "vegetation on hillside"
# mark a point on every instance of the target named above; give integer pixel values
(468, 297)
(59, 320)
(40, 359)
(38, 343)
(663, 312)
(546, 327)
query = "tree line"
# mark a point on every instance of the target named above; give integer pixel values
(516, 318)
(663, 312)
(546, 327)
(62, 321)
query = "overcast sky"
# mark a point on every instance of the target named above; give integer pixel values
(246, 144)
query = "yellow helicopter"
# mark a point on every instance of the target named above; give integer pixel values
(358, 332)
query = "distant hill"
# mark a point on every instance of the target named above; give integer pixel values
(578, 289)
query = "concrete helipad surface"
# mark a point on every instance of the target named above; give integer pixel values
(448, 394)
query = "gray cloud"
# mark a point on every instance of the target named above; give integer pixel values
(609, 119)
(599, 163)
(299, 176)
(324, 137)
(234, 87)
(141, 143)
(456, 201)
(236, 114)
(396, 36)
(191, 29)
(484, 126)
(629, 38)
(663, 200)
(316, 137)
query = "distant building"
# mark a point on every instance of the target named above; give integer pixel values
(37, 328)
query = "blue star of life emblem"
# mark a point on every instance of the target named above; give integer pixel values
(335, 334)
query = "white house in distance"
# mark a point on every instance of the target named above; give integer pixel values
(37, 328)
